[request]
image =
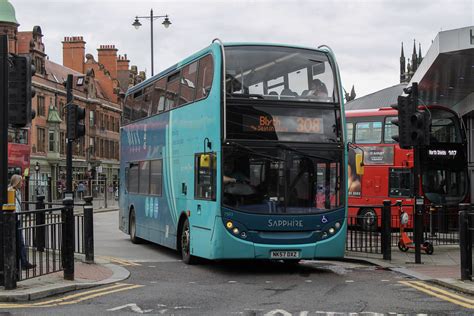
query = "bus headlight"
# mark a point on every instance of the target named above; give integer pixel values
(332, 230)
(337, 225)
(229, 225)
(235, 230)
(243, 235)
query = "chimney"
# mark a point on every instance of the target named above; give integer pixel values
(108, 58)
(123, 63)
(74, 53)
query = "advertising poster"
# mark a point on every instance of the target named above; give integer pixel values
(354, 186)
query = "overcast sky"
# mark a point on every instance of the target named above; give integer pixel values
(365, 35)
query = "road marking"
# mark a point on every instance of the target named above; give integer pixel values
(275, 312)
(134, 307)
(440, 293)
(123, 262)
(385, 280)
(349, 281)
(76, 298)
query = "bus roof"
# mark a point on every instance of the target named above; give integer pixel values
(203, 52)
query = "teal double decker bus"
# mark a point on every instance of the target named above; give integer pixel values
(238, 152)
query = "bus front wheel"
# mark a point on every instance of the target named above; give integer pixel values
(186, 244)
(133, 228)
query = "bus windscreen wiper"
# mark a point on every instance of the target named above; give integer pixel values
(301, 152)
(254, 152)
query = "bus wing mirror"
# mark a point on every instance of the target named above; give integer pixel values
(359, 160)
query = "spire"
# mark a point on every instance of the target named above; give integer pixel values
(353, 93)
(402, 65)
(419, 54)
(414, 57)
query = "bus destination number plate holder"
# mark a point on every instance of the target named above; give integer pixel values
(284, 254)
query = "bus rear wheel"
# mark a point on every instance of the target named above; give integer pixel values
(186, 244)
(133, 228)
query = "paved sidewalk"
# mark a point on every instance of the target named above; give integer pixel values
(86, 275)
(442, 267)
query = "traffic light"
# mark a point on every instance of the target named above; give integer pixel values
(75, 128)
(405, 111)
(420, 128)
(413, 123)
(20, 91)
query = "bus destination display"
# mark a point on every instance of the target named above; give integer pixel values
(283, 124)
(442, 153)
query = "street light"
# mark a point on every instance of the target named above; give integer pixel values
(166, 23)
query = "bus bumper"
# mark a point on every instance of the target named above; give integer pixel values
(227, 246)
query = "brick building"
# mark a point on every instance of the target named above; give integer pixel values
(104, 82)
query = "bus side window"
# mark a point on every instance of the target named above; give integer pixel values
(390, 130)
(133, 179)
(172, 90)
(156, 177)
(159, 94)
(127, 169)
(188, 84)
(144, 176)
(350, 132)
(205, 177)
(368, 132)
(205, 75)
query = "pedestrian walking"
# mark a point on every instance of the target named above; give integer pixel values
(16, 183)
(80, 190)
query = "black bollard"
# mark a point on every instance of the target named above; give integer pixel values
(89, 229)
(386, 230)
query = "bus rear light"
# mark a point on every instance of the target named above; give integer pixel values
(235, 230)
(229, 225)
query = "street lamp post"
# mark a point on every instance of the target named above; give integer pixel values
(37, 169)
(152, 17)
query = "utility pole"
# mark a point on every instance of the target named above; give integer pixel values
(68, 201)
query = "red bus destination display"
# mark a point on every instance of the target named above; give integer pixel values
(283, 124)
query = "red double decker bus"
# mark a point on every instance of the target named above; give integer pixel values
(388, 168)
(19, 150)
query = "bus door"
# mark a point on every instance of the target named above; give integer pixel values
(204, 189)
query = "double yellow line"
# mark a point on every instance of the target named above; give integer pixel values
(122, 262)
(76, 298)
(439, 293)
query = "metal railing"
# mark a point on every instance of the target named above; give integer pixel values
(370, 234)
(45, 239)
(41, 231)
